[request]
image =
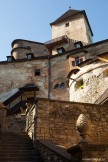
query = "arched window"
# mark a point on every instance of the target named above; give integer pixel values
(60, 85)
(56, 86)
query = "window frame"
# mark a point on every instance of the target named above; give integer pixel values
(67, 24)
(62, 50)
(78, 43)
(77, 61)
(37, 72)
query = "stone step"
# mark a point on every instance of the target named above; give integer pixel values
(14, 137)
(19, 157)
(16, 154)
(14, 159)
(21, 161)
(18, 151)
(17, 148)
(16, 142)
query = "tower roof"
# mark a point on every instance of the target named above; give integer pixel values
(71, 13)
(66, 15)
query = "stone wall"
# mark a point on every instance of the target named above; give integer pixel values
(90, 82)
(94, 152)
(13, 123)
(59, 70)
(67, 46)
(21, 47)
(18, 74)
(51, 152)
(56, 120)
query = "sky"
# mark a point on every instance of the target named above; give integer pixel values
(30, 19)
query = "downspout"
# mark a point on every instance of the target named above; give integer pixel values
(49, 76)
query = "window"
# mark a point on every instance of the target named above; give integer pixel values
(60, 85)
(78, 44)
(67, 24)
(37, 72)
(10, 58)
(56, 86)
(77, 61)
(60, 50)
(30, 56)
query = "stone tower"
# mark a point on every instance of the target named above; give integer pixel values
(75, 25)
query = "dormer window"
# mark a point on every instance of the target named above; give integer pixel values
(30, 56)
(67, 24)
(77, 61)
(10, 58)
(78, 44)
(60, 50)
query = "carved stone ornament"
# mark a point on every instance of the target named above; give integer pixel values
(82, 125)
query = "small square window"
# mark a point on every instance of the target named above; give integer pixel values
(37, 72)
(60, 50)
(77, 61)
(78, 44)
(81, 60)
(67, 24)
(10, 58)
(73, 63)
(30, 56)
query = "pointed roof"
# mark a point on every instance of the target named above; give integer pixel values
(71, 13)
(66, 15)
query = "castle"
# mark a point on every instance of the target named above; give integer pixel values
(68, 75)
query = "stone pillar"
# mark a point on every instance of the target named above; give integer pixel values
(91, 151)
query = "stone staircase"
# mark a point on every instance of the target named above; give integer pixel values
(17, 148)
